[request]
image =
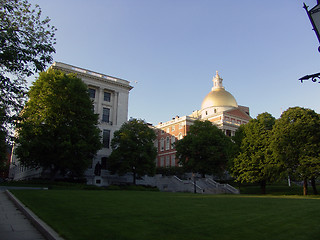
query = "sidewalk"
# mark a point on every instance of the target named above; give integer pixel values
(15, 225)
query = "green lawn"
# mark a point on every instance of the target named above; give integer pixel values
(78, 214)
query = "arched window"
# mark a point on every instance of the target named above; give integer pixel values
(104, 163)
(167, 143)
(161, 144)
(173, 139)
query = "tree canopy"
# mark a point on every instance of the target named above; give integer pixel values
(26, 46)
(58, 129)
(205, 149)
(133, 149)
(254, 162)
(296, 142)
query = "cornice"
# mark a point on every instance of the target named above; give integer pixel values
(92, 75)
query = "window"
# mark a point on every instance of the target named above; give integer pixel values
(106, 115)
(106, 138)
(228, 133)
(173, 128)
(104, 163)
(180, 136)
(161, 144)
(107, 96)
(167, 161)
(167, 143)
(173, 160)
(173, 139)
(92, 93)
(161, 161)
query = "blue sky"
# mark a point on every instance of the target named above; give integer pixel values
(172, 48)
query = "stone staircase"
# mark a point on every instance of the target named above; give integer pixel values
(175, 184)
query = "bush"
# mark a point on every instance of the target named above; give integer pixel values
(131, 187)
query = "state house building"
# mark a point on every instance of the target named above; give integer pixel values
(218, 107)
(110, 101)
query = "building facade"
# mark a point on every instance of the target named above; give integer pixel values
(219, 107)
(110, 96)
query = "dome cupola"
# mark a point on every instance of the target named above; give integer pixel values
(218, 98)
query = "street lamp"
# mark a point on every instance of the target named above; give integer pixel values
(314, 17)
(314, 77)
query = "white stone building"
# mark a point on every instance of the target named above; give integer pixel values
(110, 97)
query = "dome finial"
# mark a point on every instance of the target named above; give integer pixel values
(217, 81)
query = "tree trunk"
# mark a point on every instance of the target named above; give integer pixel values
(263, 184)
(134, 177)
(313, 184)
(305, 186)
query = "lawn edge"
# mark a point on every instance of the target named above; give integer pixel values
(40, 225)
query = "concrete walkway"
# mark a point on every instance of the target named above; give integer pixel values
(15, 221)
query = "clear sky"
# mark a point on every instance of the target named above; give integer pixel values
(172, 48)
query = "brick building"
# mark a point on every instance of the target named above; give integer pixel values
(218, 107)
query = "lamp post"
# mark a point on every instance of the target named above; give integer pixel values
(194, 183)
(314, 17)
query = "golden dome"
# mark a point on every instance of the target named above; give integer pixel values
(218, 97)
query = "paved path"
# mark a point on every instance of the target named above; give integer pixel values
(13, 224)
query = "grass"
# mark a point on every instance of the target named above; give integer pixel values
(79, 214)
(273, 189)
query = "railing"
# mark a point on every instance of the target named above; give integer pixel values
(188, 182)
(230, 188)
(175, 177)
(225, 186)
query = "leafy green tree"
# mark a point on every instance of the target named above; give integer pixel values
(296, 142)
(205, 149)
(237, 140)
(58, 130)
(254, 163)
(133, 149)
(26, 46)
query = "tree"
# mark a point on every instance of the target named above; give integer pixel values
(3, 149)
(205, 149)
(26, 45)
(58, 130)
(3, 144)
(133, 149)
(296, 142)
(254, 162)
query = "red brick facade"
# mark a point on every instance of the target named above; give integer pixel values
(170, 132)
